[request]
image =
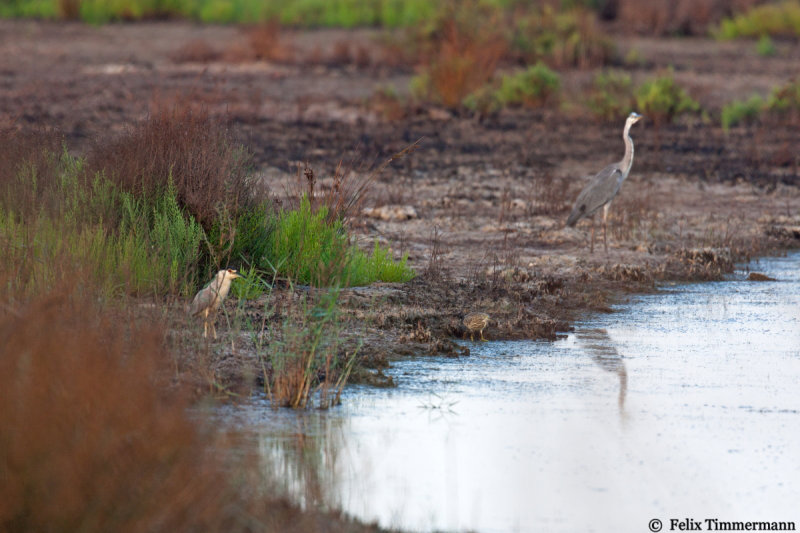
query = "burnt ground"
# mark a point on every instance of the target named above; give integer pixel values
(480, 205)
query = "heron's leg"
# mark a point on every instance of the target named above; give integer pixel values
(591, 246)
(205, 323)
(471, 336)
(605, 224)
(484, 340)
(214, 327)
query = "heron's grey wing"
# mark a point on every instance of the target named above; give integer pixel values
(596, 194)
(202, 300)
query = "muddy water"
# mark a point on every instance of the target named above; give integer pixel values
(679, 404)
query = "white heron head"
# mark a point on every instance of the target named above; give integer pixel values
(228, 273)
(634, 117)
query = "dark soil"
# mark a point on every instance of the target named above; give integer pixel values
(489, 194)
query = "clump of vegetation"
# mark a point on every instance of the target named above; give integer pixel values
(532, 87)
(157, 215)
(785, 102)
(781, 19)
(78, 390)
(307, 355)
(187, 148)
(742, 111)
(312, 250)
(662, 100)
(461, 52)
(570, 38)
(97, 436)
(765, 47)
(611, 95)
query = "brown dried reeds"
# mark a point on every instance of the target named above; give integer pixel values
(29, 169)
(69, 9)
(461, 54)
(92, 439)
(267, 43)
(183, 147)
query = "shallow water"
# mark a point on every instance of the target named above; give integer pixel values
(679, 404)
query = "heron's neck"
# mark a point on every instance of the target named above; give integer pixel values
(627, 160)
(222, 286)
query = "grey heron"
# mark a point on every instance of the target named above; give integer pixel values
(605, 185)
(208, 300)
(476, 322)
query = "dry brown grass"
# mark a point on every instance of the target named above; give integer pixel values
(462, 53)
(549, 195)
(92, 440)
(69, 9)
(32, 156)
(267, 43)
(187, 146)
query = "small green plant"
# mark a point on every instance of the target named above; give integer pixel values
(781, 19)
(611, 96)
(742, 111)
(765, 47)
(532, 87)
(662, 100)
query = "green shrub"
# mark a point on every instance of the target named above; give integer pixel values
(532, 87)
(310, 249)
(662, 100)
(172, 238)
(742, 111)
(765, 47)
(611, 96)
(774, 19)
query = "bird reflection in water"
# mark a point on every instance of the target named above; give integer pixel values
(601, 349)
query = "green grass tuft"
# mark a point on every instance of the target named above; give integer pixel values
(742, 111)
(662, 100)
(532, 87)
(765, 47)
(311, 250)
